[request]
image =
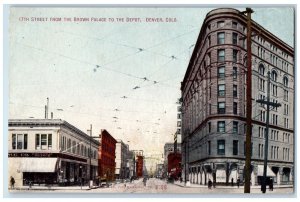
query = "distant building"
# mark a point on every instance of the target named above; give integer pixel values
(107, 164)
(49, 151)
(139, 166)
(130, 164)
(174, 165)
(138, 162)
(214, 102)
(169, 148)
(122, 155)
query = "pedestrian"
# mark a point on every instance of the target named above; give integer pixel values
(232, 182)
(12, 182)
(145, 180)
(271, 185)
(209, 184)
(238, 182)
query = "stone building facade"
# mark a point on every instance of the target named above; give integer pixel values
(214, 103)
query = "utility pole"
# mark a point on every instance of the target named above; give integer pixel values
(249, 104)
(90, 156)
(268, 103)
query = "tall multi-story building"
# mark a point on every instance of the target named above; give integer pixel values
(214, 102)
(107, 164)
(50, 151)
(122, 168)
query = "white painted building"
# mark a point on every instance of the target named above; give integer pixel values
(122, 156)
(49, 151)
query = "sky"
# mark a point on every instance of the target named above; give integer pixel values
(116, 75)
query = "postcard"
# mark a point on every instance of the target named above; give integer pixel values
(150, 99)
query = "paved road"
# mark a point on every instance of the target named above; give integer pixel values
(161, 187)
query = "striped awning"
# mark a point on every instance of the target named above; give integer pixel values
(38, 165)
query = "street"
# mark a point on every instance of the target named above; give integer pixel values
(157, 186)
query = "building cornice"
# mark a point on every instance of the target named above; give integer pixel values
(39, 123)
(233, 14)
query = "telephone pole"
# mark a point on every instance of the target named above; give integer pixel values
(249, 104)
(273, 104)
(90, 156)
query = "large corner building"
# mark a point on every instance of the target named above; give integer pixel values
(214, 103)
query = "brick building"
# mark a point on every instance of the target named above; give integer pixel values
(139, 166)
(107, 153)
(214, 103)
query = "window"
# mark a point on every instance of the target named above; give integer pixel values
(221, 107)
(69, 145)
(19, 141)
(235, 145)
(261, 70)
(235, 127)
(221, 90)
(221, 38)
(221, 72)
(285, 81)
(209, 148)
(49, 141)
(235, 108)
(221, 55)
(73, 147)
(285, 95)
(234, 25)
(43, 141)
(234, 55)
(274, 76)
(220, 24)
(221, 147)
(221, 126)
(234, 38)
(234, 90)
(234, 73)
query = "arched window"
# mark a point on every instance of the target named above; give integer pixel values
(285, 81)
(274, 76)
(261, 70)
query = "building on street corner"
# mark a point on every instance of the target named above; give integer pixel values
(49, 151)
(214, 103)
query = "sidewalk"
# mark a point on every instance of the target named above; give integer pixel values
(181, 184)
(67, 188)
(52, 188)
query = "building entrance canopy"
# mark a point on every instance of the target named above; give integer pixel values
(38, 165)
(260, 171)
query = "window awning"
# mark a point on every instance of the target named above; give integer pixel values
(39, 165)
(260, 171)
